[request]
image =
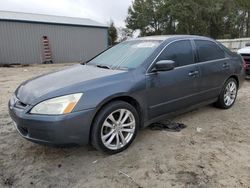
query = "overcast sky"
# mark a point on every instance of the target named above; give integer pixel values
(99, 10)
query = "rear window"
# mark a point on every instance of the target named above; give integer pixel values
(208, 51)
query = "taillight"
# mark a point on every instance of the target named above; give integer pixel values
(244, 64)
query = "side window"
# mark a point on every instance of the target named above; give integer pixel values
(181, 52)
(208, 50)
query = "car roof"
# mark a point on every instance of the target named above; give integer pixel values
(172, 37)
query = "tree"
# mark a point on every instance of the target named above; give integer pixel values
(145, 16)
(124, 34)
(214, 18)
(112, 34)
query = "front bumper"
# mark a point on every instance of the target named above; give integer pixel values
(73, 128)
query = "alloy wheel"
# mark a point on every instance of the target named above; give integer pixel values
(230, 93)
(118, 129)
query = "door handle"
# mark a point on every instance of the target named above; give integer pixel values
(226, 65)
(193, 73)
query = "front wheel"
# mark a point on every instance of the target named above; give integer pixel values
(228, 94)
(115, 127)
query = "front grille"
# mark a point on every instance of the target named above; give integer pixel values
(20, 104)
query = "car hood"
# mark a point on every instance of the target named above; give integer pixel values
(33, 89)
(244, 50)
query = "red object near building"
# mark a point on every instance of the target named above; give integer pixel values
(46, 53)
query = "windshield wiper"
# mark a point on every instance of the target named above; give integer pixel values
(103, 66)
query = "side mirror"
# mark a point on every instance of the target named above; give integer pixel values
(164, 65)
(247, 44)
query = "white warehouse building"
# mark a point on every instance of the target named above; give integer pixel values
(34, 38)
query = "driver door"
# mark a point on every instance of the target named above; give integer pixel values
(169, 91)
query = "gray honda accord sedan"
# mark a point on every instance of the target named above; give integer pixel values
(129, 86)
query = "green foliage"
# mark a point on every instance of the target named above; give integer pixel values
(112, 32)
(214, 18)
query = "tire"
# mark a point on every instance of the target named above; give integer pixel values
(106, 131)
(224, 103)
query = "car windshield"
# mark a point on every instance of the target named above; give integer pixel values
(126, 55)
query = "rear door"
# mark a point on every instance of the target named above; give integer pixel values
(173, 90)
(214, 68)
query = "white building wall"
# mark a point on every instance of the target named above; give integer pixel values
(21, 42)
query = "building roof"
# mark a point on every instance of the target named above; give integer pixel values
(48, 19)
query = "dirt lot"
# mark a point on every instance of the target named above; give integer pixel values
(213, 151)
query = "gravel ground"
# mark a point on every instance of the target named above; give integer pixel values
(212, 151)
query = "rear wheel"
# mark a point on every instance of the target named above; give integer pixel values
(115, 127)
(228, 94)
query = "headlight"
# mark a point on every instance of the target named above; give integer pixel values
(58, 105)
